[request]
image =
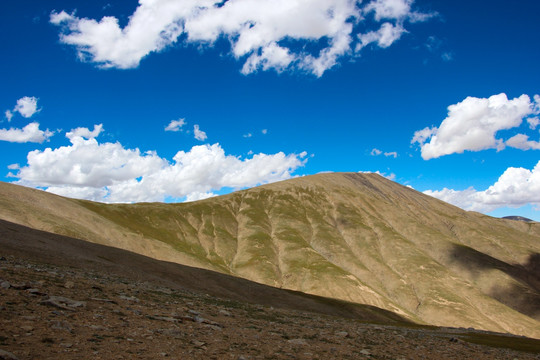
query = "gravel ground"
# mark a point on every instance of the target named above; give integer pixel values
(62, 312)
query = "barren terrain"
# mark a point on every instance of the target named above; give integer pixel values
(62, 298)
(358, 238)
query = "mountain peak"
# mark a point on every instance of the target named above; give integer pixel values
(355, 237)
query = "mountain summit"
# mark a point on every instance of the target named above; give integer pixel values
(348, 236)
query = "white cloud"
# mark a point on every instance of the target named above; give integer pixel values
(175, 125)
(85, 132)
(521, 141)
(87, 163)
(26, 106)
(109, 172)
(391, 176)
(533, 122)
(473, 125)
(516, 187)
(248, 135)
(199, 196)
(389, 9)
(384, 37)
(265, 34)
(377, 152)
(199, 134)
(14, 167)
(264, 131)
(29, 133)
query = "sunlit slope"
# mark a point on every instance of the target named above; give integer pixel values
(357, 237)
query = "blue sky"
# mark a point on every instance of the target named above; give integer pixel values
(436, 95)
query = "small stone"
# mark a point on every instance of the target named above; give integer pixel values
(98, 327)
(297, 341)
(5, 285)
(66, 345)
(224, 312)
(342, 334)
(19, 286)
(162, 318)
(69, 284)
(198, 343)
(63, 303)
(35, 292)
(62, 325)
(27, 328)
(105, 300)
(6, 355)
(213, 327)
(365, 352)
(129, 298)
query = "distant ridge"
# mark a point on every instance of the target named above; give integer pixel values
(518, 218)
(349, 236)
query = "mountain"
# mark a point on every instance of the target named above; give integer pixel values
(517, 218)
(348, 236)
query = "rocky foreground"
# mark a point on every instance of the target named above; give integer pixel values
(65, 312)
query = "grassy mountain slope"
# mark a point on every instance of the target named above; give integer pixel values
(354, 237)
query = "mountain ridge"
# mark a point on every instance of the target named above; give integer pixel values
(349, 236)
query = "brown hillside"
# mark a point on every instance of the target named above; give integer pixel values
(355, 237)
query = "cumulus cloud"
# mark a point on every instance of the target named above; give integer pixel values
(26, 106)
(516, 187)
(473, 125)
(109, 172)
(85, 132)
(175, 125)
(264, 34)
(521, 141)
(29, 133)
(199, 134)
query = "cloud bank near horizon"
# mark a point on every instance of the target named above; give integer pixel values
(108, 172)
(515, 188)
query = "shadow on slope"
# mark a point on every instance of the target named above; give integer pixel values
(58, 250)
(524, 296)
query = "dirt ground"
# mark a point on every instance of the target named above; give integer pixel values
(64, 312)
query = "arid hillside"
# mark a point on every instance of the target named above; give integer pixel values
(63, 298)
(354, 237)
